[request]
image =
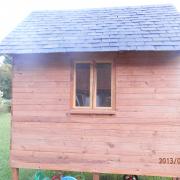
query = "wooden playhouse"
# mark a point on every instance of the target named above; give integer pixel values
(97, 91)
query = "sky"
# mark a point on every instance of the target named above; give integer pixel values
(13, 12)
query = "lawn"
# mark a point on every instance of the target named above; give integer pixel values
(5, 172)
(4, 146)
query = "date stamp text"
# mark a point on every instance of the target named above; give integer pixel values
(171, 160)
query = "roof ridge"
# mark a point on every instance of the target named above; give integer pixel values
(109, 8)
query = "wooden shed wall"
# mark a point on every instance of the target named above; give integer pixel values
(146, 125)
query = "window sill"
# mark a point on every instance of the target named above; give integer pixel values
(93, 111)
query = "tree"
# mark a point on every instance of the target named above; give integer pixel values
(7, 59)
(5, 77)
(1, 95)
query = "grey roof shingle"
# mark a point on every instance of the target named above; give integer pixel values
(151, 28)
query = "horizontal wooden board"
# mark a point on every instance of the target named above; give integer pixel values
(111, 139)
(105, 119)
(92, 163)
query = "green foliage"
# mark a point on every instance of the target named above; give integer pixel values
(1, 95)
(6, 105)
(1, 101)
(5, 78)
(7, 60)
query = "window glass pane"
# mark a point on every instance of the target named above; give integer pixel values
(82, 84)
(103, 85)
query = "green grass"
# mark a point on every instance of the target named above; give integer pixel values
(4, 146)
(5, 171)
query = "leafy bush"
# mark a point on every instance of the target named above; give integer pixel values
(7, 105)
(5, 78)
(1, 101)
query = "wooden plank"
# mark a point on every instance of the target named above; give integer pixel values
(15, 174)
(99, 111)
(103, 127)
(43, 101)
(96, 176)
(45, 107)
(88, 163)
(32, 84)
(41, 113)
(40, 90)
(105, 119)
(95, 145)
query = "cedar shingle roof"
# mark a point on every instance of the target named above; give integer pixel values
(151, 28)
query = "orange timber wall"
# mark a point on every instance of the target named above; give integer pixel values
(145, 127)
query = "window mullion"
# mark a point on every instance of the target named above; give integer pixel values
(91, 85)
(94, 84)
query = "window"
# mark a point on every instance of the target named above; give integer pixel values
(93, 83)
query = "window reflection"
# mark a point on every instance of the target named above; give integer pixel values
(83, 84)
(103, 85)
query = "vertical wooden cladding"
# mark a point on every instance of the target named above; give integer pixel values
(146, 125)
